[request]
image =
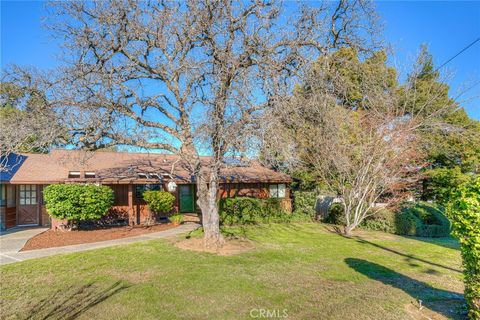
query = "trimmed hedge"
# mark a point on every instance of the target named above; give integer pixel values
(464, 210)
(159, 201)
(422, 219)
(246, 210)
(76, 202)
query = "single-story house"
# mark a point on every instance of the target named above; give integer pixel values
(128, 174)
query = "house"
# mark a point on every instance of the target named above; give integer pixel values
(128, 174)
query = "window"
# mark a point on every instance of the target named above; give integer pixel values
(141, 188)
(28, 194)
(74, 174)
(3, 198)
(89, 175)
(277, 190)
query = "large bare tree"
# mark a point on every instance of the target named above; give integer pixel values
(188, 77)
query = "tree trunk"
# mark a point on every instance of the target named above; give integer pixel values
(207, 201)
(348, 230)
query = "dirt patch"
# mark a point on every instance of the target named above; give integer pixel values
(51, 238)
(231, 247)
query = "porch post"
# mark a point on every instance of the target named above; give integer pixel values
(131, 209)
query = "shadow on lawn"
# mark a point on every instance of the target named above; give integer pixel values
(73, 301)
(408, 257)
(447, 303)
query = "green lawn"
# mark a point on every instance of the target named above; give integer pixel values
(303, 268)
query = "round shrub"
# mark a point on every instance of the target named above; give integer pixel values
(75, 202)
(423, 219)
(176, 218)
(406, 223)
(159, 201)
(336, 214)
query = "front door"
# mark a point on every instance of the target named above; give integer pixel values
(28, 208)
(187, 198)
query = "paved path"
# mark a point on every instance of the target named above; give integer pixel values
(13, 240)
(15, 256)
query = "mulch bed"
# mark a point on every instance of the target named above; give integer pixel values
(51, 238)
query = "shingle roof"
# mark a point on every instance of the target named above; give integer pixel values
(124, 167)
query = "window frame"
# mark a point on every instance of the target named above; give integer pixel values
(3, 195)
(28, 195)
(141, 188)
(74, 174)
(277, 190)
(90, 175)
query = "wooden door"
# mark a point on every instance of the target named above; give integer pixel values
(28, 205)
(187, 198)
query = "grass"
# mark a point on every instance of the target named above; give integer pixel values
(304, 269)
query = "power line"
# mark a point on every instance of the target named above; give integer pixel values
(459, 53)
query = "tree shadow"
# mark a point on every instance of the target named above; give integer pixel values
(408, 257)
(447, 303)
(73, 301)
(446, 242)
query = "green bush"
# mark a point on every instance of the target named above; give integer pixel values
(245, 210)
(422, 219)
(159, 201)
(305, 202)
(176, 218)
(76, 202)
(464, 210)
(383, 220)
(336, 214)
(407, 223)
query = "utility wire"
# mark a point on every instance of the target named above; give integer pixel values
(459, 53)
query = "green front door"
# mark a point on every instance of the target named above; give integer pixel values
(187, 198)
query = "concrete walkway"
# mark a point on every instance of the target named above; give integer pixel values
(15, 256)
(11, 241)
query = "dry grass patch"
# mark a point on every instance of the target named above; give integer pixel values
(232, 246)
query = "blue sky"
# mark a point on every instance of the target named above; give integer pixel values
(446, 26)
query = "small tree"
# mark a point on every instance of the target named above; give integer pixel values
(354, 128)
(464, 212)
(159, 201)
(75, 203)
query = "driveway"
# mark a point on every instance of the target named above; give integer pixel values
(11, 241)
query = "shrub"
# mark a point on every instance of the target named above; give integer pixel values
(305, 202)
(383, 220)
(176, 218)
(464, 210)
(336, 214)
(422, 219)
(75, 202)
(159, 201)
(245, 210)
